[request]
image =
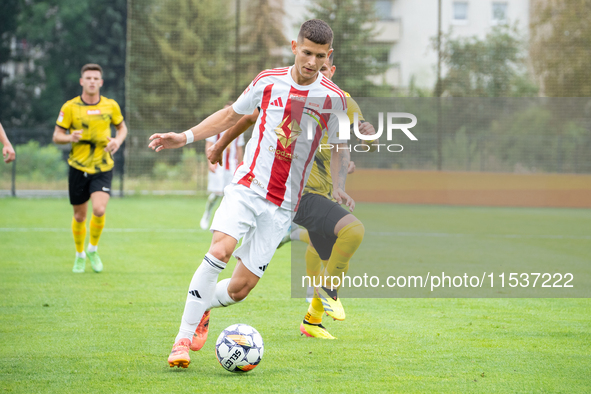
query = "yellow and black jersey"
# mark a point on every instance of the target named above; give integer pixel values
(320, 180)
(95, 121)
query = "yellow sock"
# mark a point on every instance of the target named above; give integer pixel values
(96, 228)
(315, 311)
(348, 240)
(313, 269)
(304, 236)
(79, 231)
(313, 263)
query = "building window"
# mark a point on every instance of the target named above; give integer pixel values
(383, 10)
(499, 12)
(460, 11)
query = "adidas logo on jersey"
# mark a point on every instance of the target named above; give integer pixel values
(278, 102)
(264, 267)
(195, 293)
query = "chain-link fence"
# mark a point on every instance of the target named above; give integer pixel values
(187, 58)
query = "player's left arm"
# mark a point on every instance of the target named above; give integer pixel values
(115, 143)
(116, 119)
(339, 166)
(364, 127)
(340, 157)
(215, 152)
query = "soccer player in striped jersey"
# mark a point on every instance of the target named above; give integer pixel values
(257, 207)
(220, 176)
(333, 234)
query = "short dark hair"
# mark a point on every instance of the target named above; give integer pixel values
(317, 31)
(91, 67)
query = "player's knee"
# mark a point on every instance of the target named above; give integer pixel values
(98, 211)
(80, 217)
(353, 233)
(220, 252)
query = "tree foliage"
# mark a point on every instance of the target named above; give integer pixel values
(61, 36)
(9, 10)
(179, 63)
(262, 40)
(490, 67)
(356, 55)
(561, 46)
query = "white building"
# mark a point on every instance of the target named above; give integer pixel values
(410, 25)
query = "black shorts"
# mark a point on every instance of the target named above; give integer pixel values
(319, 216)
(81, 184)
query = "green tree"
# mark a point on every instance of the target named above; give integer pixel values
(179, 62)
(561, 46)
(58, 37)
(180, 70)
(357, 56)
(489, 67)
(262, 39)
(9, 110)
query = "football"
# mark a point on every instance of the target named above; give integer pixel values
(239, 348)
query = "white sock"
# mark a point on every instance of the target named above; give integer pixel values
(221, 298)
(92, 248)
(81, 254)
(295, 234)
(201, 291)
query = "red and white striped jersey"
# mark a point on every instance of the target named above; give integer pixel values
(279, 156)
(230, 155)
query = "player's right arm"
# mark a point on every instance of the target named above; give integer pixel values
(215, 152)
(212, 125)
(63, 123)
(60, 136)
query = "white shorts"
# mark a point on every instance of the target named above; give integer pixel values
(261, 224)
(218, 180)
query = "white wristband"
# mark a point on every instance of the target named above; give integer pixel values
(190, 137)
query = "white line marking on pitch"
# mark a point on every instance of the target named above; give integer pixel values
(385, 234)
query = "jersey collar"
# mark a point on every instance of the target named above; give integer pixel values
(85, 103)
(305, 87)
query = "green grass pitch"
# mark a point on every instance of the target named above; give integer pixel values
(112, 332)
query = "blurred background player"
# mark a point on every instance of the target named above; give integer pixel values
(7, 149)
(220, 175)
(333, 234)
(85, 121)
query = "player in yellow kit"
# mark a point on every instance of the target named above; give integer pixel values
(85, 121)
(332, 233)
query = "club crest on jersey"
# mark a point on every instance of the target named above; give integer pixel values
(288, 133)
(93, 112)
